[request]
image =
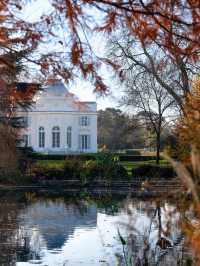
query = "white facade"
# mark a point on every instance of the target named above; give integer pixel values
(58, 123)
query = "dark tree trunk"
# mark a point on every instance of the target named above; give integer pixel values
(159, 221)
(158, 148)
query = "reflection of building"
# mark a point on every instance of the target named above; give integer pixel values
(56, 222)
(59, 123)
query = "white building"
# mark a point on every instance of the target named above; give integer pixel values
(59, 123)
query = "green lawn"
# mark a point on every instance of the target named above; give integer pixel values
(130, 165)
(127, 164)
(50, 163)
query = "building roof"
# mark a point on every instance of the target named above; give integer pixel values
(55, 97)
(56, 89)
(24, 86)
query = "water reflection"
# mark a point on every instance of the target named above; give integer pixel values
(9, 211)
(64, 231)
(153, 235)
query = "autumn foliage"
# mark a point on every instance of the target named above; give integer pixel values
(188, 128)
(172, 25)
(188, 167)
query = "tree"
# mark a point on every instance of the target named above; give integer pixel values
(187, 128)
(147, 96)
(117, 130)
(12, 96)
(172, 25)
(18, 40)
(172, 74)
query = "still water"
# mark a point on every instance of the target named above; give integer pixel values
(62, 231)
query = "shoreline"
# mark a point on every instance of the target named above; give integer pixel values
(135, 188)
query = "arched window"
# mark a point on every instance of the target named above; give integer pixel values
(41, 137)
(56, 137)
(69, 137)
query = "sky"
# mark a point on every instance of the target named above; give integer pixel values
(83, 89)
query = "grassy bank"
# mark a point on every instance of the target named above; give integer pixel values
(133, 165)
(103, 167)
(129, 165)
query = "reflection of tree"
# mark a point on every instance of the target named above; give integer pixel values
(25, 249)
(154, 237)
(108, 205)
(43, 222)
(10, 239)
(8, 215)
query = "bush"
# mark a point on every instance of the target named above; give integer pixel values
(153, 171)
(91, 169)
(136, 158)
(73, 167)
(38, 156)
(133, 152)
(120, 172)
(106, 166)
(17, 179)
(42, 173)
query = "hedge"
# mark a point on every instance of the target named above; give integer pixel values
(133, 152)
(81, 170)
(85, 157)
(28, 152)
(153, 171)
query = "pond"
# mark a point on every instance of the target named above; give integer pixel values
(61, 231)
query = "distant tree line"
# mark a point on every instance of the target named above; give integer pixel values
(118, 130)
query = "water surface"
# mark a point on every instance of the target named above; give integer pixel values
(58, 231)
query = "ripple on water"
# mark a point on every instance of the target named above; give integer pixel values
(62, 233)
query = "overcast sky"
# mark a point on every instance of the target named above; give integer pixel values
(83, 89)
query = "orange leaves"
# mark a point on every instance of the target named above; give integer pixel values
(110, 23)
(100, 85)
(188, 132)
(114, 65)
(86, 69)
(153, 32)
(195, 242)
(146, 21)
(71, 14)
(76, 53)
(34, 36)
(188, 129)
(25, 94)
(3, 35)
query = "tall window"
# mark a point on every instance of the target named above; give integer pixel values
(25, 140)
(56, 137)
(84, 142)
(69, 137)
(24, 121)
(41, 137)
(84, 121)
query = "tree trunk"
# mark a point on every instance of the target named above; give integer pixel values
(158, 148)
(159, 221)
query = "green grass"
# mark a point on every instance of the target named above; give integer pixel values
(50, 163)
(127, 164)
(132, 165)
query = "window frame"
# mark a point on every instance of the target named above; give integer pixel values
(41, 140)
(69, 137)
(84, 142)
(56, 137)
(84, 121)
(25, 140)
